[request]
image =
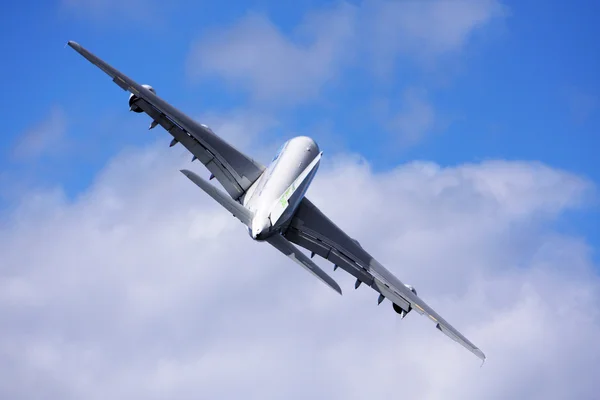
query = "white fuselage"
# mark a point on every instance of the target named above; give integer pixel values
(289, 162)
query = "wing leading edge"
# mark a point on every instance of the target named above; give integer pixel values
(234, 170)
(311, 229)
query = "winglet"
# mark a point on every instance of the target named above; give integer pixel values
(482, 356)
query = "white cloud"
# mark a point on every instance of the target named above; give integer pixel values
(256, 55)
(425, 29)
(45, 137)
(143, 287)
(245, 128)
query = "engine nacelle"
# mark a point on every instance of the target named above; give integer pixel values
(133, 98)
(403, 313)
(401, 310)
(412, 289)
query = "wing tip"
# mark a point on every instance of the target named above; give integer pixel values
(337, 288)
(189, 174)
(480, 355)
(329, 281)
(74, 45)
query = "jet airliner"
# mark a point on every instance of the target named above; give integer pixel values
(270, 201)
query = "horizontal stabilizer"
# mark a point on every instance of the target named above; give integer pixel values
(287, 248)
(238, 210)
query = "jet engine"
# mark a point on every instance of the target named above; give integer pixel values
(412, 289)
(133, 98)
(403, 313)
(401, 310)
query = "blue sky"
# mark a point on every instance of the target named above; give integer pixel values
(522, 85)
(478, 121)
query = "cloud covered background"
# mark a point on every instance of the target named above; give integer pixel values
(143, 286)
(120, 279)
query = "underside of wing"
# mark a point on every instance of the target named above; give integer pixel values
(312, 230)
(234, 170)
(402, 295)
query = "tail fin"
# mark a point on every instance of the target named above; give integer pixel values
(282, 203)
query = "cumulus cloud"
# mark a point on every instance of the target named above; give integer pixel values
(256, 55)
(45, 137)
(425, 29)
(244, 127)
(144, 287)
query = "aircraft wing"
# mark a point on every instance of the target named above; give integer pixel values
(234, 170)
(311, 229)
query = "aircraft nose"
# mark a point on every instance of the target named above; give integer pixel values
(255, 233)
(260, 226)
(308, 142)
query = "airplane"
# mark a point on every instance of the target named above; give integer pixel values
(270, 200)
